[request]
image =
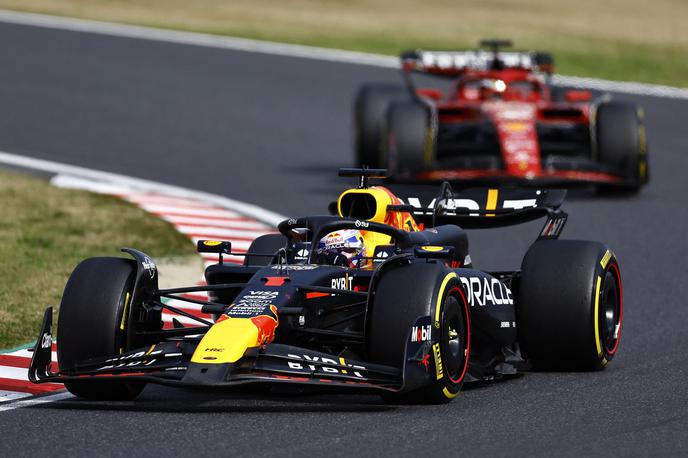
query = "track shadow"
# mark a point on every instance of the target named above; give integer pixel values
(194, 401)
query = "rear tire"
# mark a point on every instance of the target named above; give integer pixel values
(265, 244)
(569, 307)
(409, 139)
(95, 299)
(621, 143)
(405, 293)
(370, 107)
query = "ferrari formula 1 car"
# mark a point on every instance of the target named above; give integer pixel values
(499, 121)
(411, 319)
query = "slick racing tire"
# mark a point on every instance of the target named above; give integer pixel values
(621, 144)
(370, 107)
(265, 244)
(569, 308)
(403, 294)
(409, 139)
(91, 318)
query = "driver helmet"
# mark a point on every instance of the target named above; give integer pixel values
(492, 89)
(346, 247)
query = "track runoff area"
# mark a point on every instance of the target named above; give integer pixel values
(195, 214)
(198, 215)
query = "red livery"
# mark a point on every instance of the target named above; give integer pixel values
(498, 120)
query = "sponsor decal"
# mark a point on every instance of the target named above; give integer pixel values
(438, 360)
(133, 360)
(512, 111)
(431, 248)
(605, 259)
(486, 291)
(211, 242)
(553, 227)
(425, 362)
(322, 364)
(342, 283)
(505, 324)
(46, 340)
(467, 260)
(149, 266)
(421, 333)
(302, 254)
(516, 127)
(252, 304)
(360, 223)
(381, 255)
(294, 267)
(469, 204)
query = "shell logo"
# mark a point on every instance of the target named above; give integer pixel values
(516, 127)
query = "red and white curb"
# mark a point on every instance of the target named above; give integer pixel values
(195, 214)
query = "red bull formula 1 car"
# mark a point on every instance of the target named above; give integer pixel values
(500, 120)
(411, 320)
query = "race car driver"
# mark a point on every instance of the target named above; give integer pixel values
(343, 248)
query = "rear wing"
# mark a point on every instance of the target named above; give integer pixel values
(484, 208)
(455, 63)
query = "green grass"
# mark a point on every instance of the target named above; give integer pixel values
(45, 231)
(627, 40)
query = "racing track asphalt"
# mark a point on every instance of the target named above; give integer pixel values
(272, 131)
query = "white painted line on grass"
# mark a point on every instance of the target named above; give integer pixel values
(291, 50)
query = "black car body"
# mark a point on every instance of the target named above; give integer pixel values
(416, 322)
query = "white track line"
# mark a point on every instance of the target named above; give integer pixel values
(35, 401)
(13, 395)
(25, 353)
(189, 211)
(221, 232)
(206, 222)
(290, 50)
(70, 175)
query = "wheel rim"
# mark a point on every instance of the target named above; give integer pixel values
(454, 339)
(610, 312)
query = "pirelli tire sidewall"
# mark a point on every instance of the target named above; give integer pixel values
(569, 305)
(405, 292)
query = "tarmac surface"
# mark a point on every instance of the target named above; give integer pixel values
(272, 131)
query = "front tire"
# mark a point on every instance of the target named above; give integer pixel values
(370, 108)
(569, 307)
(93, 323)
(410, 142)
(621, 144)
(405, 293)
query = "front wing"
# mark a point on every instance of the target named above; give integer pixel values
(169, 363)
